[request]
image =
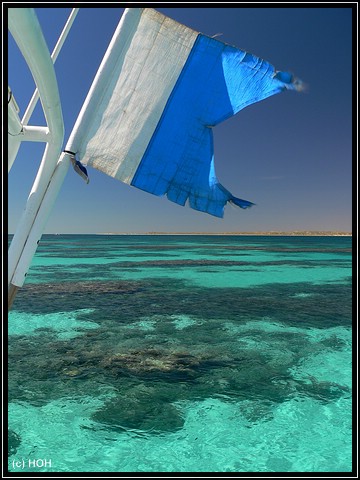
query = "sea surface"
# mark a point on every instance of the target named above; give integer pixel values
(180, 353)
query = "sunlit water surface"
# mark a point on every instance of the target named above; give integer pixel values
(182, 354)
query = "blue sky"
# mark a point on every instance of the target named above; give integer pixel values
(290, 154)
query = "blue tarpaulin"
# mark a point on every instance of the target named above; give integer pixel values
(169, 87)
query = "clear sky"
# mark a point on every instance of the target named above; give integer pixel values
(290, 154)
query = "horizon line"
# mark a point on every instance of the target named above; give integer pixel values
(270, 232)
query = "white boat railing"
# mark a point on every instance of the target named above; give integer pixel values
(27, 33)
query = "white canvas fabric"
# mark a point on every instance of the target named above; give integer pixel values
(159, 91)
(148, 55)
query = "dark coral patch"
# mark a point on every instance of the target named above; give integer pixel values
(14, 442)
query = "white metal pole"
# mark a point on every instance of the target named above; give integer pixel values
(26, 30)
(46, 206)
(14, 130)
(33, 204)
(54, 56)
(42, 216)
(35, 134)
(50, 176)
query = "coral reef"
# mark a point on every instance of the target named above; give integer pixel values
(150, 371)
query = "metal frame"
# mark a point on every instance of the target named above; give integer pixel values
(26, 30)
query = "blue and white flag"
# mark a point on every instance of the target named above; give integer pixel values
(159, 91)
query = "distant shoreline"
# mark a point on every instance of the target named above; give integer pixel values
(258, 234)
(264, 234)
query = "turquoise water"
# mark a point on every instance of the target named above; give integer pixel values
(182, 354)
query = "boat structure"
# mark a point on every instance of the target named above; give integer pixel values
(160, 89)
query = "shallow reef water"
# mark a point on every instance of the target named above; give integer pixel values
(183, 353)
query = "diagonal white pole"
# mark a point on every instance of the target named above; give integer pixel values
(54, 56)
(51, 175)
